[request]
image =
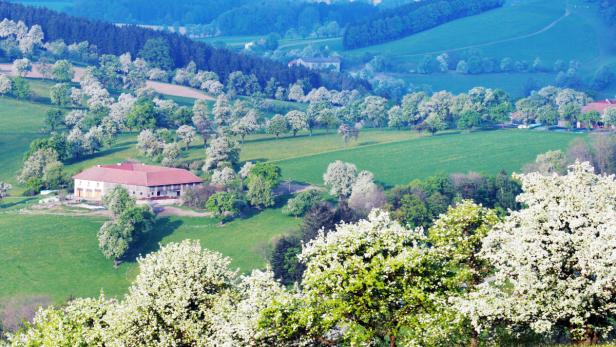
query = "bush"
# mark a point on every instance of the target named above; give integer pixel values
(224, 204)
(34, 186)
(301, 203)
(21, 88)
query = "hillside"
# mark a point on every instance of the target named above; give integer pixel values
(522, 30)
(112, 39)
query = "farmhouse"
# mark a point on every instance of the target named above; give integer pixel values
(141, 181)
(329, 63)
(599, 106)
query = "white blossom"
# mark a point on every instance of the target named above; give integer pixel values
(554, 259)
(22, 66)
(340, 177)
(5, 84)
(223, 177)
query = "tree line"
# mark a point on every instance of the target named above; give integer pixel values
(278, 16)
(112, 39)
(412, 18)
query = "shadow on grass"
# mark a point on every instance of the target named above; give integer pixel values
(286, 137)
(386, 186)
(16, 203)
(150, 242)
(256, 160)
(106, 152)
(279, 202)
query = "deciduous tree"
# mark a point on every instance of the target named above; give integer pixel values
(340, 177)
(553, 258)
(297, 121)
(187, 134)
(223, 151)
(277, 125)
(62, 71)
(6, 85)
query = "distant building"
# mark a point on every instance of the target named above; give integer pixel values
(141, 181)
(329, 63)
(599, 106)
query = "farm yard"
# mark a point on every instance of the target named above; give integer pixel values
(80, 270)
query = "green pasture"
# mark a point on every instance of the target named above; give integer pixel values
(401, 162)
(20, 123)
(57, 256)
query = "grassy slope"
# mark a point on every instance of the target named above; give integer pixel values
(401, 162)
(515, 19)
(513, 83)
(63, 261)
(260, 147)
(19, 125)
(48, 266)
(581, 36)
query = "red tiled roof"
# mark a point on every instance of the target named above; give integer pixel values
(138, 175)
(599, 106)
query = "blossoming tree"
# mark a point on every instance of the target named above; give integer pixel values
(554, 259)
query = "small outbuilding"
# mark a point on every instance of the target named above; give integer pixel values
(141, 181)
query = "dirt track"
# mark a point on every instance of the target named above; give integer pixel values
(159, 87)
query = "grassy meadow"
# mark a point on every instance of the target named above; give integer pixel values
(57, 256)
(402, 161)
(512, 82)
(521, 30)
(20, 123)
